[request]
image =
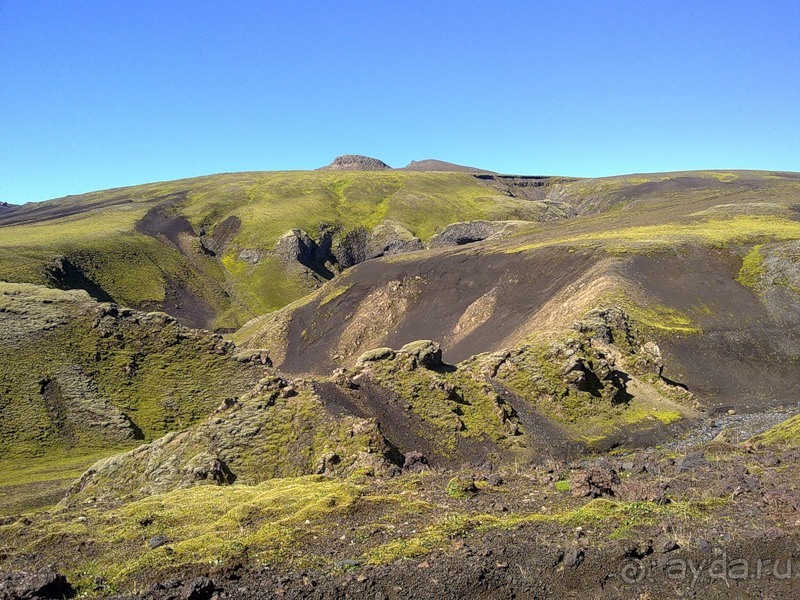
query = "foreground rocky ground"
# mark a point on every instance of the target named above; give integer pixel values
(714, 520)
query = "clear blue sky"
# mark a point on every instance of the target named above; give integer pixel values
(98, 94)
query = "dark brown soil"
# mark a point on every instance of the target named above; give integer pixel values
(161, 223)
(453, 281)
(744, 359)
(57, 209)
(403, 429)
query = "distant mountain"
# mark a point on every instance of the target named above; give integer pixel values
(431, 164)
(356, 162)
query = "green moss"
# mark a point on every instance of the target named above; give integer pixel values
(620, 518)
(662, 319)
(101, 368)
(457, 404)
(562, 486)
(32, 484)
(333, 294)
(136, 270)
(716, 233)
(786, 433)
(206, 526)
(435, 536)
(752, 269)
(461, 487)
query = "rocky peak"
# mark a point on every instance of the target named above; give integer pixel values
(356, 162)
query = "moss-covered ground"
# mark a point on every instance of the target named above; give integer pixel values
(83, 380)
(330, 524)
(97, 231)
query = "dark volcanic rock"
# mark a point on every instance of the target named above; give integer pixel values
(597, 480)
(356, 162)
(390, 238)
(424, 353)
(415, 462)
(199, 588)
(44, 584)
(458, 234)
(690, 462)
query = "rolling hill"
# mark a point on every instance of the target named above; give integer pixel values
(388, 347)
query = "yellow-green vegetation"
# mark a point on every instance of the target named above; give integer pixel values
(30, 484)
(98, 231)
(786, 433)
(453, 404)
(461, 487)
(275, 433)
(718, 233)
(621, 517)
(88, 379)
(333, 294)
(650, 318)
(291, 522)
(562, 485)
(658, 318)
(536, 373)
(205, 526)
(752, 268)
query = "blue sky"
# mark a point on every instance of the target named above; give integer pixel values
(99, 94)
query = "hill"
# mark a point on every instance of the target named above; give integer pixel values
(216, 251)
(431, 164)
(452, 368)
(686, 254)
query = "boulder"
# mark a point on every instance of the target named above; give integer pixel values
(205, 467)
(424, 353)
(458, 234)
(199, 588)
(690, 462)
(390, 238)
(598, 480)
(415, 462)
(296, 245)
(375, 355)
(39, 585)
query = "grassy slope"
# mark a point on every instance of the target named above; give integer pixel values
(109, 370)
(623, 214)
(271, 521)
(647, 214)
(135, 269)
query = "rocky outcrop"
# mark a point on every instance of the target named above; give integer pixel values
(37, 585)
(390, 238)
(335, 248)
(459, 234)
(278, 429)
(423, 353)
(374, 355)
(356, 162)
(101, 375)
(598, 480)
